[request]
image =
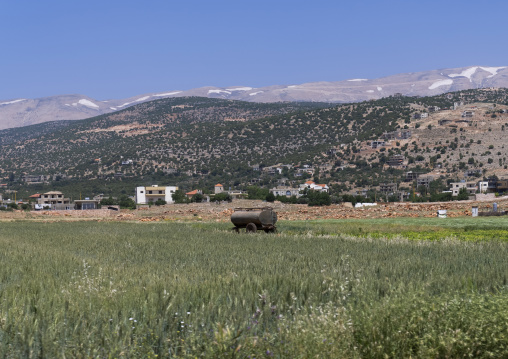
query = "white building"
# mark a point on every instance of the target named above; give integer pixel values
(218, 188)
(285, 191)
(471, 187)
(145, 195)
(314, 186)
(483, 186)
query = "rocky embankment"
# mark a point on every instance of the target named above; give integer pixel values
(213, 212)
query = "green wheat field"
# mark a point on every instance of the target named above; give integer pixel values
(398, 288)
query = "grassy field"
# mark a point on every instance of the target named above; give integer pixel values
(324, 289)
(462, 228)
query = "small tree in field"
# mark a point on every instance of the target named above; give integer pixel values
(160, 202)
(179, 196)
(222, 197)
(198, 198)
(126, 202)
(463, 195)
(108, 201)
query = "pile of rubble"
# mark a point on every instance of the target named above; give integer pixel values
(222, 213)
(213, 212)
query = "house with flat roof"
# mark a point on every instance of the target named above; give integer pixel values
(388, 188)
(502, 185)
(54, 200)
(424, 180)
(86, 204)
(471, 187)
(411, 176)
(285, 191)
(377, 144)
(395, 161)
(34, 179)
(146, 195)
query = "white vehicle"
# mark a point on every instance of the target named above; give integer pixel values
(40, 207)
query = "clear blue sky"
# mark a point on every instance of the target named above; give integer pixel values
(115, 49)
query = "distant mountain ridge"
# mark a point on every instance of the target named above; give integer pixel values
(24, 112)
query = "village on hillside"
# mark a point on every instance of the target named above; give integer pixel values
(435, 154)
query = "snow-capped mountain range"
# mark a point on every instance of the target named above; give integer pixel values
(23, 112)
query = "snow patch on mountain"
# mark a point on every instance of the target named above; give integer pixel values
(466, 73)
(167, 94)
(138, 100)
(255, 93)
(354, 80)
(470, 72)
(219, 92)
(492, 70)
(440, 83)
(379, 88)
(11, 102)
(369, 91)
(88, 103)
(240, 89)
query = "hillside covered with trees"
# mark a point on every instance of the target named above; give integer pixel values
(196, 142)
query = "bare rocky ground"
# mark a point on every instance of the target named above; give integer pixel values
(213, 212)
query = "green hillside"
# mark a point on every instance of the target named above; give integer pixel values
(198, 142)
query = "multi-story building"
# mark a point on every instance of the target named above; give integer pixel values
(285, 191)
(388, 188)
(397, 135)
(424, 180)
(471, 187)
(396, 160)
(34, 179)
(472, 173)
(411, 176)
(377, 144)
(502, 185)
(145, 195)
(483, 186)
(54, 200)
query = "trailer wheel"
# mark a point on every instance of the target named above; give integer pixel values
(235, 229)
(251, 228)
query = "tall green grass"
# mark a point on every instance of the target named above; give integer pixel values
(461, 228)
(91, 289)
